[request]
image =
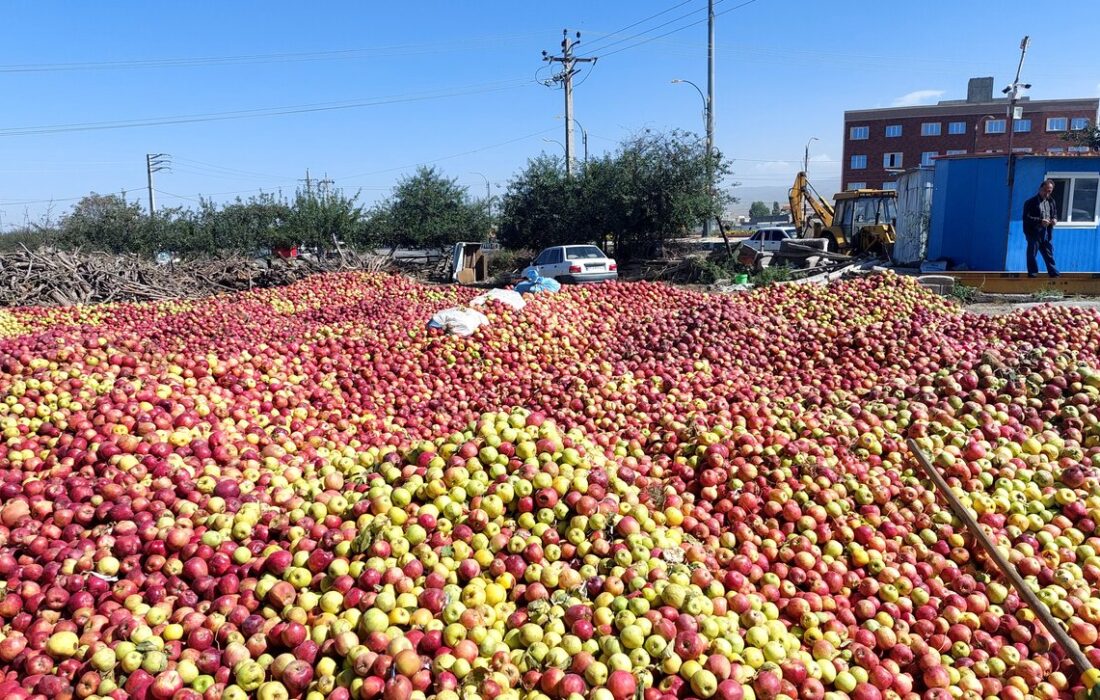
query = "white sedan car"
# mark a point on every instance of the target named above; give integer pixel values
(769, 240)
(571, 264)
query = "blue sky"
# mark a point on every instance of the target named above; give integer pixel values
(379, 88)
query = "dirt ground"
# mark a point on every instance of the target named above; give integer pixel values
(1006, 304)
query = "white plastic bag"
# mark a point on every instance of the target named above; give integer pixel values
(504, 296)
(458, 320)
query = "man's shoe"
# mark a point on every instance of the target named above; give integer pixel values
(1031, 274)
(1055, 274)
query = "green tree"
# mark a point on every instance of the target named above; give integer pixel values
(653, 187)
(776, 211)
(544, 207)
(758, 210)
(106, 222)
(1089, 136)
(325, 220)
(428, 210)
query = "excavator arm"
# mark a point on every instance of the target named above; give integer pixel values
(802, 191)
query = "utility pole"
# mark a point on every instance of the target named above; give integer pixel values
(568, 62)
(1013, 92)
(154, 163)
(710, 106)
(309, 184)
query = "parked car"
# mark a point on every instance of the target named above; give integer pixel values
(768, 240)
(572, 264)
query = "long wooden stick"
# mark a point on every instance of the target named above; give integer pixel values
(1037, 606)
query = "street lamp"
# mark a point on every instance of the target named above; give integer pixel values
(708, 126)
(805, 170)
(978, 128)
(555, 141)
(488, 194)
(584, 137)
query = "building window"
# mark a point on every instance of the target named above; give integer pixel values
(890, 185)
(957, 152)
(1076, 194)
(1078, 124)
(930, 129)
(1021, 126)
(859, 162)
(995, 126)
(1022, 149)
(956, 128)
(927, 157)
(1056, 124)
(1055, 150)
(891, 160)
(893, 131)
(857, 185)
(859, 133)
(1078, 149)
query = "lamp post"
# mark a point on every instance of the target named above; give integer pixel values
(584, 137)
(488, 195)
(555, 141)
(805, 171)
(708, 124)
(977, 128)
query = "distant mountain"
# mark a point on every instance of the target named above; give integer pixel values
(747, 194)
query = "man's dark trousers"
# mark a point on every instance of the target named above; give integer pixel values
(1040, 242)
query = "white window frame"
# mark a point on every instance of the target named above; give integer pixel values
(1064, 207)
(957, 152)
(860, 164)
(1056, 150)
(998, 123)
(1078, 123)
(891, 129)
(927, 158)
(931, 129)
(1016, 126)
(955, 128)
(889, 162)
(1052, 124)
(859, 133)
(890, 185)
(1079, 149)
(857, 186)
(1022, 149)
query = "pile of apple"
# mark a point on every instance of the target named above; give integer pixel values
(621, 492)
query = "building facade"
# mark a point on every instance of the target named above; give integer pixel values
(881, 143)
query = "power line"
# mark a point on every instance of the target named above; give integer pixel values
(266, 111)
(252, 59)
(678, 29)
(641, 21)
(659, 26)
(453, 155)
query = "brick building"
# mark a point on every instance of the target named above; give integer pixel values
(880, 143)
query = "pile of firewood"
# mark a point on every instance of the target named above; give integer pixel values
(49, 276)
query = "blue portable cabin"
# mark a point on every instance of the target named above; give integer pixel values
(977, 223)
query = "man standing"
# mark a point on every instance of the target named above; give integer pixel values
(1040, 215)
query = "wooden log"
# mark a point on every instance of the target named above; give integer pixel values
(1089, 675)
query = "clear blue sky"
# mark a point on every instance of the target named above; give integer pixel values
(453, 84)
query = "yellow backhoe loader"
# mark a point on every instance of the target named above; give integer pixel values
(859, 221)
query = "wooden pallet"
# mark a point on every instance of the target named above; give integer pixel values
(1081, 283)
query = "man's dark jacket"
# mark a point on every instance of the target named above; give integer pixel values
(1033, 216)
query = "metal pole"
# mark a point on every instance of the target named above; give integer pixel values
(806, 171)
(567, 70)
(1013, 91)
(708, 124)
(1022, 589)
(149, 178)
(710, 107)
